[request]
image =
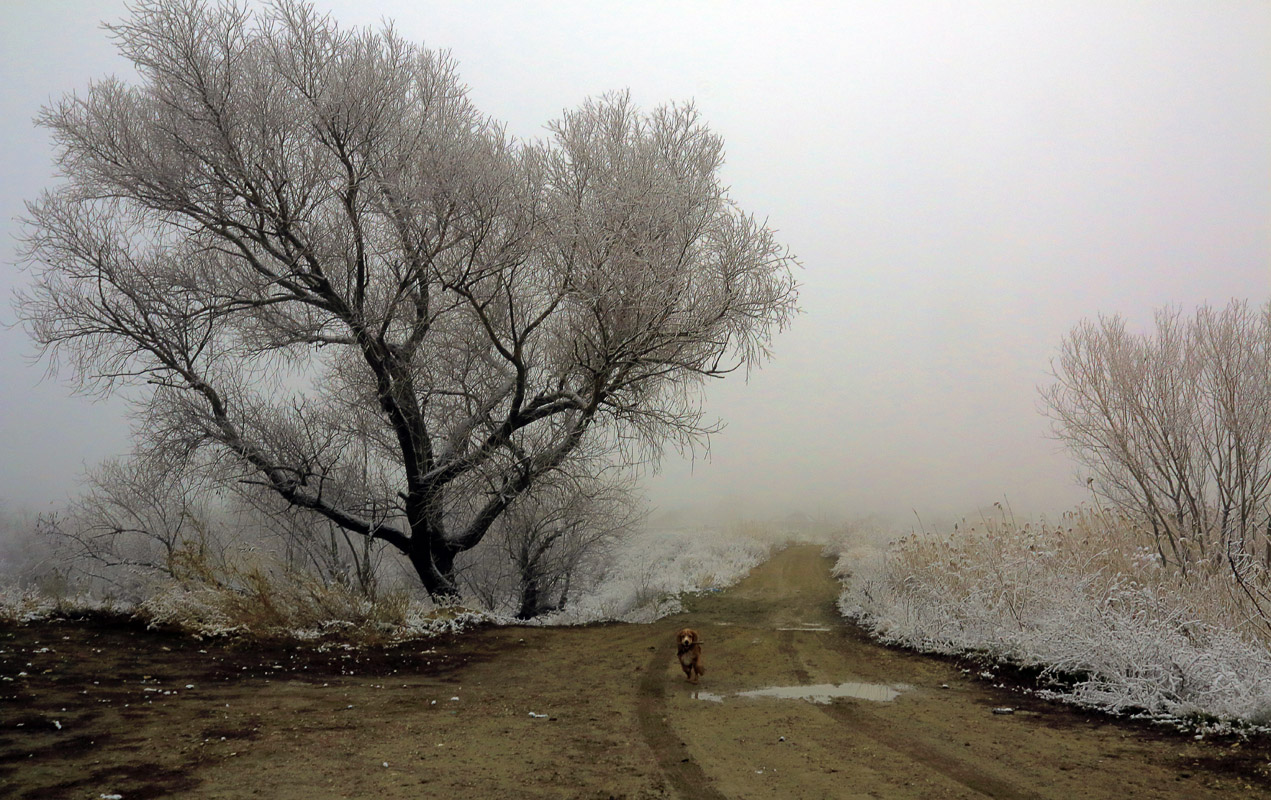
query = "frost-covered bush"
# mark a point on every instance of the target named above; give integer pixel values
(551, 546)
(23, 605)
(650, 570)
(1083, 601)
(38, 581)
(19, 605)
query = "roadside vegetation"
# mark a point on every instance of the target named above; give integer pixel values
(1084, 602)
(1154, 599)
(274, 582)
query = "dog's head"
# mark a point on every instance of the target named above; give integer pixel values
(687, 637)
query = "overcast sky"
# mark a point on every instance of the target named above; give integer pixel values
(963, 182)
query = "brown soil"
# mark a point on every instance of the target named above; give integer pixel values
(105, 708)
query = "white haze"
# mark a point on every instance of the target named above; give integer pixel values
(963, 182)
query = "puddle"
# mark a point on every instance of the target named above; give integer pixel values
(807, 628)
(824, 692)
(820, 692)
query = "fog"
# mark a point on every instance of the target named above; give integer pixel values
(962, 182)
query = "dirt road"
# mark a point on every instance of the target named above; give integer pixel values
(594, 712)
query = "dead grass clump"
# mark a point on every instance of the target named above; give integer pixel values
(251, 593)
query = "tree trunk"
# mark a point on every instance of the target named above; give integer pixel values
(1267, 548)
(436, 569)
(529, 599)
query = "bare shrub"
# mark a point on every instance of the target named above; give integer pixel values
(26, 560)
(1175, 428)
(136, 518)
(311, 545)
(552, 544)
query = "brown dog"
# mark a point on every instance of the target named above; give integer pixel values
(689, 646)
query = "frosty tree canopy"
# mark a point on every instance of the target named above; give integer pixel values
(319, 261)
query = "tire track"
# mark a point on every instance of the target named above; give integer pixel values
(683, 773)
(915, 747)
(927, 753)
(785, 646)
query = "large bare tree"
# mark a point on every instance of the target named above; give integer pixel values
(303, 247)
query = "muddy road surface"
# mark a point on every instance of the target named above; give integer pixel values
(794, 704)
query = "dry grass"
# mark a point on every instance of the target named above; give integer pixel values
(1084, 599)
(250, 593)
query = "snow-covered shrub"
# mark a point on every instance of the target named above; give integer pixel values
(19, 605)
(651, 569)
(22, 605)
(38, 581)
(1083, 601)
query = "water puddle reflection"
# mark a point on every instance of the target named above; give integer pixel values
(820, 693)
(824, 692)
